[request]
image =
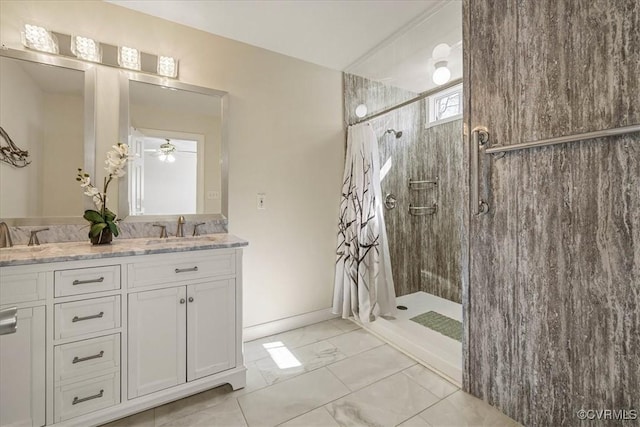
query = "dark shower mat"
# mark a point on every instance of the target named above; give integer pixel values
(439, 323)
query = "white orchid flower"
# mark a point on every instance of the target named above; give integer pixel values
(97, 200)
(122, 149)
(85, 181)
(115, 163)
(91, 191)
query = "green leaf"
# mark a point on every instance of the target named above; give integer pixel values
(113, 227)
(93, 216)
(108, 215)
(97, 228)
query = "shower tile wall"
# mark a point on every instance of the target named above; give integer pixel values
(425, 250)
(554, 289)
(439, 153)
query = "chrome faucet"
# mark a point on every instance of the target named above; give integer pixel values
(163, 230)
(33, 240)
(195, 228)
(180, 230)
(5, 236)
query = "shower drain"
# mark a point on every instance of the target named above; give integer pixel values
(401, 307)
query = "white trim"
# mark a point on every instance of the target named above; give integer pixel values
(262, 330)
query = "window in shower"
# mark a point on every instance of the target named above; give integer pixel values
(444, 106)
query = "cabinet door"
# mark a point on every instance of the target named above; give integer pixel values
(211, 329)
(157, 340)
(22, 364)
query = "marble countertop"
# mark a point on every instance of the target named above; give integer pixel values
(74, 251)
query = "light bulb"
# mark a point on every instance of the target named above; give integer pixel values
(171, 158)
(442, 74)
(162, 157)
(167, 66)
(129, 57)
(39, 38)
(361, 110)
(86, 49)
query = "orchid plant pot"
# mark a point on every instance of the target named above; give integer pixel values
(104, 238)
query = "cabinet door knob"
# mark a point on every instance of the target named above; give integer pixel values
(182, 301)
(190, 299)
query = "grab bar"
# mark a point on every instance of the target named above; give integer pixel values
(423, 210)
(479, 137)
(563, 139)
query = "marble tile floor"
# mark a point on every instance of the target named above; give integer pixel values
(328, 374)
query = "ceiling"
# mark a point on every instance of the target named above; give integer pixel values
(406, 60)
(330, 33)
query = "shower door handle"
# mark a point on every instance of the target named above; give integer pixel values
(390, 201)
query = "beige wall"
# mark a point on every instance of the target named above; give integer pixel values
(286, 139)
(63, 154)
(20, 190)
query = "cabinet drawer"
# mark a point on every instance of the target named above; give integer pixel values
(180, 267)
(83, 317)
(86, 396)
(85, 280)
(22, 287)
(87, 357)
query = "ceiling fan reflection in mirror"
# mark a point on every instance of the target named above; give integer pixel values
(165, 152)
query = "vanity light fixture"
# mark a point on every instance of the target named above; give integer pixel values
(91, 50)
(129, 57)
(442, 74)
(38, 38)
(86, 49)
(167, 66)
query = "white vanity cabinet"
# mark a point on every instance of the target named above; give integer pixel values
(180, 334)
(100, 339)
(23, 353)
(22, 368)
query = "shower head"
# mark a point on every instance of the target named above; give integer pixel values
(396, 133)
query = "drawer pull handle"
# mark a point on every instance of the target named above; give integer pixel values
(84, 282)
(94, 316)
(84, 359)
(77, 399)
(185, 270)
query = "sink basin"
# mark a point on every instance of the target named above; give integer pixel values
(179, 240)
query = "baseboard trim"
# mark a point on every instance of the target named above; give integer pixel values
(262, 330)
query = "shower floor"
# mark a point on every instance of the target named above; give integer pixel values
(431, 348)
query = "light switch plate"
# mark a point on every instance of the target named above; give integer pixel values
(262, 201)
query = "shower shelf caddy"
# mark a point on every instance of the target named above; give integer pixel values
(423, 185)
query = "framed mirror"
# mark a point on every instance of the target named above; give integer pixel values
(177, 141)
(47, 107)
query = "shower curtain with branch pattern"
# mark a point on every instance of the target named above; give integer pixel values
(363, 284)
